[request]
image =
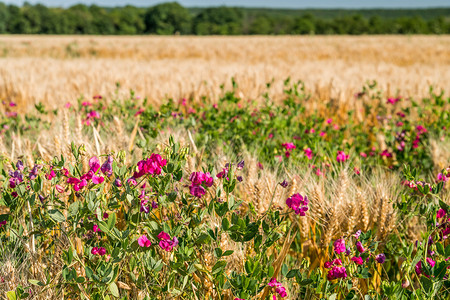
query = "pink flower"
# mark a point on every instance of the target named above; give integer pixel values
(329, 121)
(50, 175)
(96, 228)
(98, 251)
(140, 111)
(298, 203)
(357, 260)
(197, 190)
(341, 156)
(278, 287)
(94, 164)
(393, 100)
(153, 165)
(360, 247)
(97, 179)
(356, 170)
(2, 223)
(339, 246)
(67, 105)
(143, 241)
(442, 177)
(59, 188)
(440, 213)
(322, 133)
(337, 272)
(165, 242)
(288, 146)
(308, 153)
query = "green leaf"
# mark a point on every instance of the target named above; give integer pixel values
(218, 267)
(111, 221)
(11, 295)
(114, 289)
(36, 282)
(291, 273)
(56, 215)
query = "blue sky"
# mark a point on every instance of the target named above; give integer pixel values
(254, 3)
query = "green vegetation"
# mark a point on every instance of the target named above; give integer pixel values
(172, 18)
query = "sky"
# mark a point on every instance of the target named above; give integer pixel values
(253, 3)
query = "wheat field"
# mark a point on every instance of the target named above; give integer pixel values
(58, 69)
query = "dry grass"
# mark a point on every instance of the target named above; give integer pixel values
(55, 69)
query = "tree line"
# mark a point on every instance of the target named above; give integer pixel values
(172, 18)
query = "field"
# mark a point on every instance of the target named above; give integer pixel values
(224, 167)
(60, 69)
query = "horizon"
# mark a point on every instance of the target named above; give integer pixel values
(259, 4)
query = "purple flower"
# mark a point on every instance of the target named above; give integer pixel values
(19, 165)
(284, 183)
(240, 165)
(380, 258)
(117, 182)
(107, 166)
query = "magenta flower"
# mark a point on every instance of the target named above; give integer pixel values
(94, 164)
(339, 246)
(298, 203)
(341, 156)
(360, 247)
(337, 272)
(386, 153)
(98, 251)
(50, 175)
(131, 181)
(223, 173)
(96, 228)
(143, 241)
(165, 242)
(2, 223)
(197, 190)
(442, 177)
(393, 100)
(288, 146)
(278, 287)
(97, 179)
(308, 153)
(357, 234)
(153, 165)
(440, 213)
(357, 260)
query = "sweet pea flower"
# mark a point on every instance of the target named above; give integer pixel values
(360, 247)
(380, 258)
(143, 241)
(308, 153)
(165, 242)
(96, 228)
(106, 168)
(341, 156)
(98, 251)
(357, 260)
(298, 203)
(339, 246)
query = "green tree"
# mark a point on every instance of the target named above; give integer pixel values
(219, 20)
(260, 25)
(167, 18)
(304, 25)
